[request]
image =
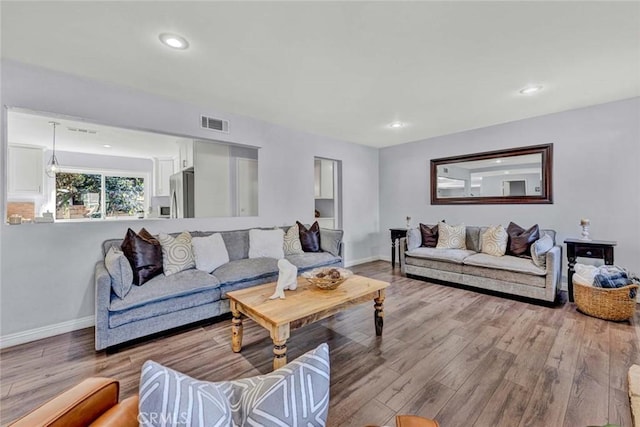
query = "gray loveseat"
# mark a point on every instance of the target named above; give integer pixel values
(166, 302)
(506, 274)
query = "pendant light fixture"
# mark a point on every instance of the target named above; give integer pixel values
(53, 166)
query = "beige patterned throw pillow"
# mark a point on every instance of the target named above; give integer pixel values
(292, 245)
(177, 254)
(494, 241)
(451, 237)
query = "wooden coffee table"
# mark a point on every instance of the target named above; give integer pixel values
(305, 305)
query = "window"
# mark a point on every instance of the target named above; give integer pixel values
(94, 195)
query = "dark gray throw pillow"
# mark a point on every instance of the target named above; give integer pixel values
(429, 235)
(520, 240)
(310, 239)
(144, 254)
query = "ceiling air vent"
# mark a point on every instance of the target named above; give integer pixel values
(214, 124)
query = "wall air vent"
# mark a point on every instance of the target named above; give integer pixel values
(214, 124)
(89, 131)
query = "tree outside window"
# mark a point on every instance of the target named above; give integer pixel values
(124, 195)
(81, 195)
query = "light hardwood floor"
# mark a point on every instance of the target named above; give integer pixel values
(462, 357)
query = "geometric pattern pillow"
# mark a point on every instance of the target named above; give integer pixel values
(294, 395)
(451, 237)
(292, 245)
(177, 254)
(494, 241)
(170, 398)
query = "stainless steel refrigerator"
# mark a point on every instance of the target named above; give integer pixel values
(181, 187)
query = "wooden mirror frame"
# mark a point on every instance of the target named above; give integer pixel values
(546, 195)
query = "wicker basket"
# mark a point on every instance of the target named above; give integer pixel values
(326, 283)
(604, 303)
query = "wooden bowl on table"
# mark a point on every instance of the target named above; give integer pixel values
(327, 278)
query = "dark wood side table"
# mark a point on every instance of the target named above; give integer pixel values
(396, 233)
(601, 249)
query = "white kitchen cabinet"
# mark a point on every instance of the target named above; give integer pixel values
(25, 170)
(186, 153)
(163, 172)
(324, 179)
(325, 222)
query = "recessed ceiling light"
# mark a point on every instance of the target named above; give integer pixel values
(530, 90)
(499, 161)
(106, 146)
(174, 41)
(506, 172)
(396, 125)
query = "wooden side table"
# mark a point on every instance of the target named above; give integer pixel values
(600, 249)
(396, 233)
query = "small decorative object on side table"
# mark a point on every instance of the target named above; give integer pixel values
(602, 249)
(396, 233)
(584, 223)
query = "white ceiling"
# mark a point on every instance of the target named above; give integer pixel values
(345, 69)
(24, 128)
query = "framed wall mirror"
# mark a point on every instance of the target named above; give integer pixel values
(108, 173)
(513, 176)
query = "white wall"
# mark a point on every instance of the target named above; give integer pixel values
(493, 185)
(46, 275)
(596, 175)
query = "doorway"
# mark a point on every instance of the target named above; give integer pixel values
(514, 188)
(328, 192)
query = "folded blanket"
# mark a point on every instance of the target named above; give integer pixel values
(611, 280)
(610, 276)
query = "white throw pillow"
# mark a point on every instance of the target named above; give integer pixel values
(539, 250)
(494, 241)
(209, 252)
(292, 244)
(414, 239)
(120, 271)
(451, 237)
(177, 254)
(266, 243)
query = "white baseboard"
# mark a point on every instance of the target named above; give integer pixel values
(45, 331)
(351, 263)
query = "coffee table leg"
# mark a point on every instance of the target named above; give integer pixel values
(236, 331)
(279, 335)
(279, 354)
(378, 315)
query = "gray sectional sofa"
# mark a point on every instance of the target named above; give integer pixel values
(166, 302)
(506, 274)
